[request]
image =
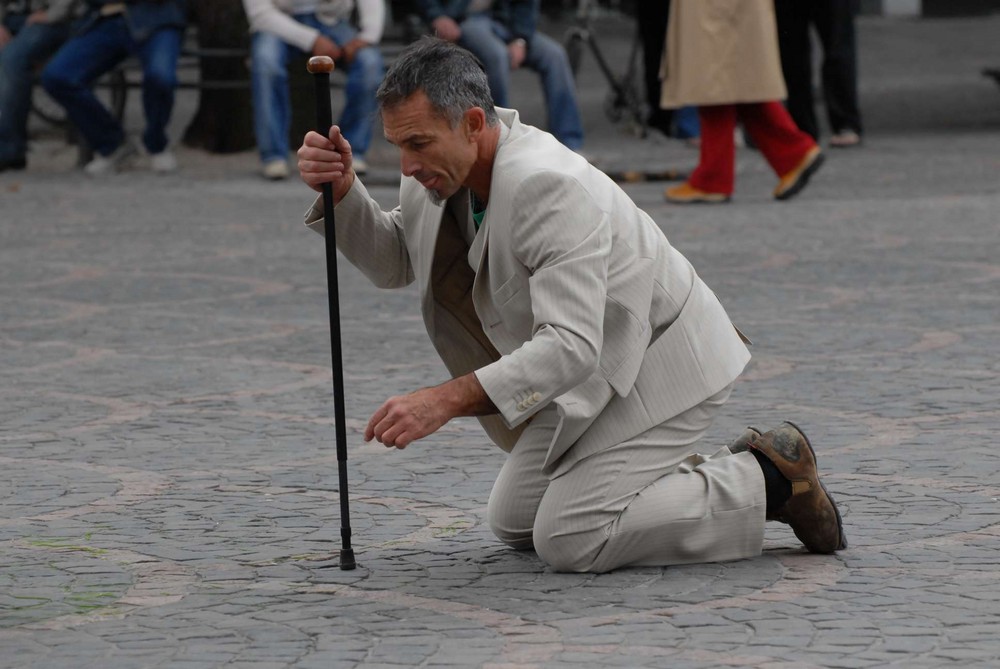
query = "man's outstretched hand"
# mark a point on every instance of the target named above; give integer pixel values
(404, 419)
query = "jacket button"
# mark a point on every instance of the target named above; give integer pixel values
(536, 397)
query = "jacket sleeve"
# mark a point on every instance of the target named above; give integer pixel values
(563, 241)
(60, 10)
(371, 239)
(264, 16)
(371, 20)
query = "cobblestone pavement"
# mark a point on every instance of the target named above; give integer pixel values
(169, 490)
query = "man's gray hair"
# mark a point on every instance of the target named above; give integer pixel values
(453, 80)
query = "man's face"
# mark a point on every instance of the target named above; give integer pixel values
(430, 150)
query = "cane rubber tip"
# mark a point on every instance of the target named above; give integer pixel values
(320, 65)
(347, 559)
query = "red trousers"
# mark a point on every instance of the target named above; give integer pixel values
(771, 129)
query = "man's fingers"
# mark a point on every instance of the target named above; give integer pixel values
(377, 417)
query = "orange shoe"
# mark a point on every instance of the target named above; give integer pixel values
(797, 179)
(688, 194)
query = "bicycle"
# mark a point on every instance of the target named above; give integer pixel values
(624, 99)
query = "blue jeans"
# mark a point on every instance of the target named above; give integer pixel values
(70, 75)
(487, 39)
(271, 99)
(31, 45)
(686, 124)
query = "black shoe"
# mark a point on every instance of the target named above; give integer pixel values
(13, 164)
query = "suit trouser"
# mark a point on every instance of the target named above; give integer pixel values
(651, 501)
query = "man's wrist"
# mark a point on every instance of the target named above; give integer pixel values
(518, 41)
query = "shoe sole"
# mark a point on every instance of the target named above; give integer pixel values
(743, 448)
(698, 200)
(842, 544)
(803, 179)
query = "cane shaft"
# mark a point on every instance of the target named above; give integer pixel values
(324, 120)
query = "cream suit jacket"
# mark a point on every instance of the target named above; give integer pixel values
(569, 297)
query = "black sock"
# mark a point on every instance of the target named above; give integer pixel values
(777, 488)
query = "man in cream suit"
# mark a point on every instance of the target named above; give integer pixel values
(586, 344)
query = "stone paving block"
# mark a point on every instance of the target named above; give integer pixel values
(170, 496)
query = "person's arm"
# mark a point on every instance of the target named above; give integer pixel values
(371, 21)
(522, 19)
(264, 16)
(430, 9)
(60, 10)
(445, 25)
(371, 239)
(404, 419)
(563, 239)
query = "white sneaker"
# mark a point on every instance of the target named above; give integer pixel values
(275, 170)
(115, 161)
(359, 164)
(163, 162)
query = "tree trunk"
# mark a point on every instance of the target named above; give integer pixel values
(224, 120)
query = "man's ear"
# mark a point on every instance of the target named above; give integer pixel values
(475, 123)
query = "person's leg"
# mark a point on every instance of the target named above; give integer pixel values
(715, 172)
(654, 501)
(792, 154)
(158, 55)
(835, 26)
(519, 487)
(774, 132)
(31, 45)
(70, 75)
(364, 74)
(272, 113)
(793, 18)
(686, 121)
(485, 38)
(548, 57)
(652, 23)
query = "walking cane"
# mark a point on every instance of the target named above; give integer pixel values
(321, 67)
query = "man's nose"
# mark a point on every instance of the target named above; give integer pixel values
(407, 164)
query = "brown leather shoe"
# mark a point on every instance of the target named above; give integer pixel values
(810, 511)
(742, 442)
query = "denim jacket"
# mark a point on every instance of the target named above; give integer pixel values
(144, 17)
(520, 16)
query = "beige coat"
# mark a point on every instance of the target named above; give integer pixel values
(721, 52)
(569, 296)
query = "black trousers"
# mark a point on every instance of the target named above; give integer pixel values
(833, 21)
(652, 17)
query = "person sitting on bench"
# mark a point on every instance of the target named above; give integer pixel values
(151, 30)
(30, 32)
(283, 28)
